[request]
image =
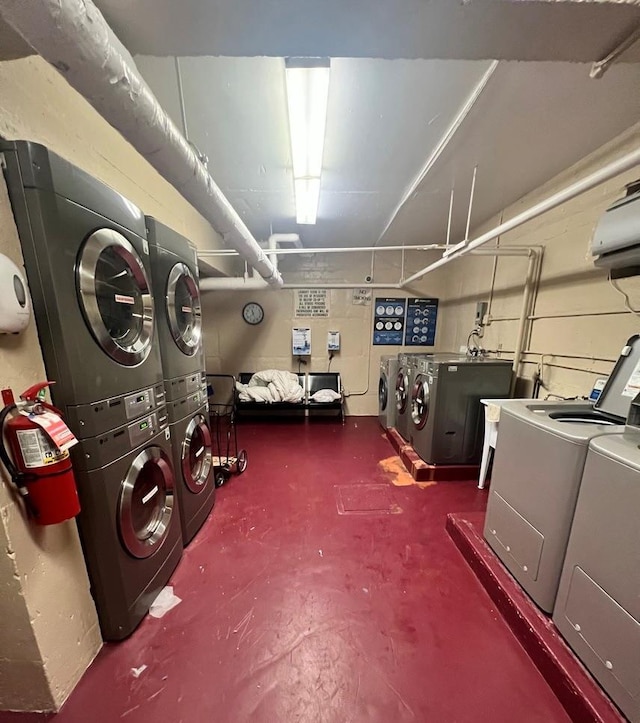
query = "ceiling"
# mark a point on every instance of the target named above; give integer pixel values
(454, 29)
(385, 117)
(400, 75)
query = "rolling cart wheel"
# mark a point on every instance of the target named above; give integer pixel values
(242, 461)
(220, 478)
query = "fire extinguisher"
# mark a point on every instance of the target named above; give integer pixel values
(40, 470)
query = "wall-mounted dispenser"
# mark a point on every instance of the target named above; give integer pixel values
(15, 308)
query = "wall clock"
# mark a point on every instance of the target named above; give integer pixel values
(253, 313)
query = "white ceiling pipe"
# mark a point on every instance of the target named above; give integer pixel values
(73, 36)
(290, 238)
(328, 250)
(250, 283)
(615, 168)
(341, 285)
(442, 143)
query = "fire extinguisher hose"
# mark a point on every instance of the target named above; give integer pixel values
(20, 479)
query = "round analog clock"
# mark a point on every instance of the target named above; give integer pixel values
(253, 313)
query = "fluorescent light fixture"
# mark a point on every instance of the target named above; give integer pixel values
(307, 197)
(307, 81)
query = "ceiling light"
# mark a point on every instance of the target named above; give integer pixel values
(307, 81)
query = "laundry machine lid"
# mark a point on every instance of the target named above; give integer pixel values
(145, 502)
(115, 296)
(196, 458)
(624, 382)
(623, 448)
(183, 309)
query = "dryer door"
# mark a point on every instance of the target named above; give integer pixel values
(402, 390)
(196, 454)
(383, 392)
(420, 397)
(115, 296)
(145, 505)
(183, 309)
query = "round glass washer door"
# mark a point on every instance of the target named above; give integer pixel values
(196, 454)
(383, 392)
(115, 296)
(145, 504)
(402, 384)
(420, 397)
(183, 309)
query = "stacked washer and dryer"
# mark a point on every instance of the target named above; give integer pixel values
(87, 262)
(174, 264)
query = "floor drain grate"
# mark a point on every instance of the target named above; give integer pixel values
(373, 499)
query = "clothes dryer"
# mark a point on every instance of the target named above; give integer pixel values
(598, 606)
(404, 381)
(87, 262)
(129, 524)
(537, 469)
(386, 397)
(446, 420)
(192, 460)
(174, 269)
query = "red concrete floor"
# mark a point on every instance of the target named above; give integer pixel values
(293, 612)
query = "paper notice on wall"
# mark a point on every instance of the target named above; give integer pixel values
(301, 341)
(362, 296)
(311, 302)
(632, 387)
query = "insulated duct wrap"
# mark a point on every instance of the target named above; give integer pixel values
(74, 37)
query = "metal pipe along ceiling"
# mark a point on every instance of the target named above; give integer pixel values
(73, 36)
(615, 168)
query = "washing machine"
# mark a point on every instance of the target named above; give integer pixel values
(386, 401)
(192, 460)
(404, 381)
(598, 605)
(446, 419)
(537, 469)
(174, 271)
(87, 263)
(129, 523)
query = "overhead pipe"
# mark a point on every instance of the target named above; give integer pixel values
(600, 67)
(615, 168)
(246, 282)
(301, 250)
(532, 266)
(442, 143)
(74, 37)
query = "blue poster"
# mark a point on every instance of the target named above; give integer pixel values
(388, 321)
(421, 322)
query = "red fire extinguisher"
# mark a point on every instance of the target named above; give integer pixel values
(40, 470)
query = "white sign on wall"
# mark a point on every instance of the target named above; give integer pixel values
(311, 302)
(362, 296)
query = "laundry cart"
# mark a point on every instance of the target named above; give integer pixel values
(227, 458)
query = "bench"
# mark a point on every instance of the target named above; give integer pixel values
(311, 382)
